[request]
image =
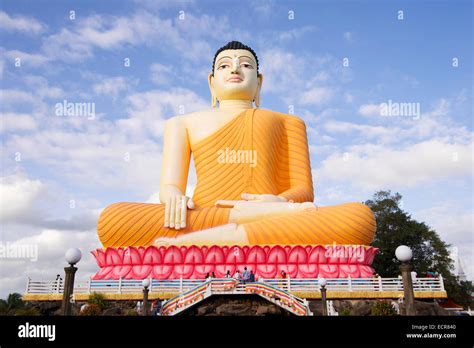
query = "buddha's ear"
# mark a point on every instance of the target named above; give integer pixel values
(259, 87)
(210, 79)
(260, 81)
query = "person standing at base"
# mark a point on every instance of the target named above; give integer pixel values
(245, 275)
(157, 307)
(57, 283)
(251, 277)
(237, 275)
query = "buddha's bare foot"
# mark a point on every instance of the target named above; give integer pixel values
(245, 212)
(164, 241)
(221, 235)
(307, 205)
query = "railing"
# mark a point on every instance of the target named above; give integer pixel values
(280, 297)
(179, 286)
(44, 287)
(222, 286)
(197, 294)
(357, 284)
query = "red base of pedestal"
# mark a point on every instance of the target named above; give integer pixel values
(193, 262)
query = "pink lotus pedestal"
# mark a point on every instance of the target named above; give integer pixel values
(312, 261)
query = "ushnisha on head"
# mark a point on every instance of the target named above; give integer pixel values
(235, 74)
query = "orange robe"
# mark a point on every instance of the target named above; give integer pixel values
(281, 167)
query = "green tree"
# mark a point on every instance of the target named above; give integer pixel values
(11, 304)
(396, 227)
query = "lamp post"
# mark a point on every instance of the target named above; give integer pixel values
(404, 255)
(322, 283)
(146, 284)
(72, 257)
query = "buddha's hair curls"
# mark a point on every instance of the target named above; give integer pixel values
(234, 45)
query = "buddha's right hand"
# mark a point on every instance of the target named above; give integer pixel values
(176, 207)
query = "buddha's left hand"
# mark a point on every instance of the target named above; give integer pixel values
(252, 197)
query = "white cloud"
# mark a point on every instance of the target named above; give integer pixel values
(51, 246)
(264, 8)
(112, 86)
(40, 86)
(148, 110)
(373, 167)
(11, 121)
(18, 195)
(22, 24)
(300, 80)
(34, 203)
(16, 96)
(442, 107)
(188, 38)
(455, 226)
(370, 110)
(33, 97)
(107, 153)
(67, 46)
(296, 33)
(161, 74)
(25, 59)
(106, 33)
(432, 124)
(316, 96)
(368, 131)
(280, 69)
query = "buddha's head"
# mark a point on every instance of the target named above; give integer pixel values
(235, 74)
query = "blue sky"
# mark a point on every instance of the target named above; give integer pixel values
(70, 168)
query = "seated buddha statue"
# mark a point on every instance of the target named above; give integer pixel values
(254, 183)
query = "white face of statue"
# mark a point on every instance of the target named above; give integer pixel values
(235, 76)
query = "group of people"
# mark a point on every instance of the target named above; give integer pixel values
(245, 277)
(154, 310)
(156, 307)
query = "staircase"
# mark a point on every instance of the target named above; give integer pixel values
(280, 297)
(228, 286)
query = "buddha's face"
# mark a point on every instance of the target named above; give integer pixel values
(235, 76)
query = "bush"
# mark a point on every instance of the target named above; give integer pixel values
(131, 313)
(3, 307)
(97, 299)
(382, 308)
(11, 304)
(344, 312)
(27, 312)
(92, 309)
